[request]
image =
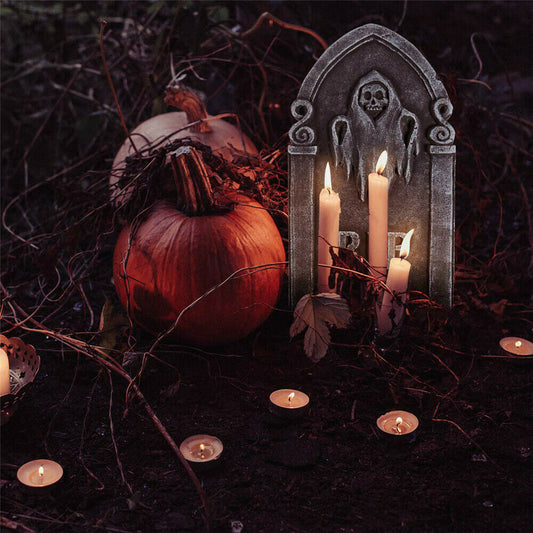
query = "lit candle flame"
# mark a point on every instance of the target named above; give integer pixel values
(404, 249)
(202, 448)
(382, 162)
(518, 344)
(397, 427)
(327, 177)
(291, 396)
(41, 473)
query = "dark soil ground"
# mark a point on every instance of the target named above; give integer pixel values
(470, 467)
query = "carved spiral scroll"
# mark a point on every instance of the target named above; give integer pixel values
(443, 133)
(302, 110)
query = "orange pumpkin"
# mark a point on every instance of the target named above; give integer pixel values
(222, 137)
(176, 256)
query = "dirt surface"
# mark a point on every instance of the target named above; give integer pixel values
(330, 471)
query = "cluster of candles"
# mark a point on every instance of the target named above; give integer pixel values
(286, 403)
(397, 275)
(207, 449)
(291, 404)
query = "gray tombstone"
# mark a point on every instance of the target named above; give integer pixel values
(371, 91)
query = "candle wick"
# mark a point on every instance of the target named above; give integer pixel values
(397, 427)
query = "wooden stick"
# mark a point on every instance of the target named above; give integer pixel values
(103, 24)
(101, 357)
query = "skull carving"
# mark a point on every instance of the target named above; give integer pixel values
(374, 98)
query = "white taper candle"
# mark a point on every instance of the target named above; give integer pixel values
(328, 229)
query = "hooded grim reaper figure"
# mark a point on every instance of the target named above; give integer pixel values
(376, 121)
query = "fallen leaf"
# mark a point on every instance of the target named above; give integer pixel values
(498, 307)
(113, 328)
(315, 312)
(14, 526)
(132, 360)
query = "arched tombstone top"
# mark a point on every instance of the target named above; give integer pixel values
(302, 108)
(360, 36)
(373, 90)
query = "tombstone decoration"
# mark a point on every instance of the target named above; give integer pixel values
(371, 91)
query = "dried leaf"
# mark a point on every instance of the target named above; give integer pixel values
(348, 284)
(171, 391)
(498, 307)
(113, 328)
(132, 360)
(315, 312)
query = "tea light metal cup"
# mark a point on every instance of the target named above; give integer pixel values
(516, 346)
(398, 426)
(288, 403)
(202, 451)
(40, 473)
(23, 365)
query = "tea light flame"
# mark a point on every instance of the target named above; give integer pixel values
(291, 396)
(327, 178)
(518, 344)
(41, 471)
(406, 244)
(397, 427)
(202, 448)
(382, 162)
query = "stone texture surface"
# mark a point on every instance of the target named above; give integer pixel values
(372, 91)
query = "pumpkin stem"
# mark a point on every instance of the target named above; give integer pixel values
(191, 177)
(186, 99)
